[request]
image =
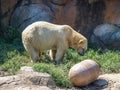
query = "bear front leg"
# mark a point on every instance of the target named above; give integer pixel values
(35, 56)
(32, 52)
(59, 55)
(52, 54)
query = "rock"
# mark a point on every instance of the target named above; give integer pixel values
(27, 14)
(82, 15)
(26, 69)
(56, 11)
(3, 73)
(36, 78)
(92, 1)
(111, 12)
(27, 76)
(84, 73)
(107, 35)
(101, 83)
(113, 81)
(59, 2)
(25, 87)
(41, 79)
(6, 9)
(72, 12)
(117, 85)
(32, 88)
(9, 80)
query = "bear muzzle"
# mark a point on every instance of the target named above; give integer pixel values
(81, 52)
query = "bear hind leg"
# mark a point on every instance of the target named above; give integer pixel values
(52, 54)
(59, 55)
(61, 50)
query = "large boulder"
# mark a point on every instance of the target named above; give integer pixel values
(84, 73)
(27, 14)
(55, 11)
(27, 79)
(81, 15)
(107, 36)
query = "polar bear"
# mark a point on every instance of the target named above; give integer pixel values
(41, 36)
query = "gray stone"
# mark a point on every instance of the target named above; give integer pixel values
(32, 88)
(59, 2)
(25, 87)
(107, 35)
(27, 14)
(3, 73)
(27, 76)
(26, 69)
(101, 83)
(117, 85)
(9, 80)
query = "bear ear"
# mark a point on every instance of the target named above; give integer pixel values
(81, 41)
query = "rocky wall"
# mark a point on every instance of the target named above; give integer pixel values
(82, 15)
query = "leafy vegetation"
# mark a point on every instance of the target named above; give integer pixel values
(58, 72)
(13, 56)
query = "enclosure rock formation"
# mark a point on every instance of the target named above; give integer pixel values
(25, 15)
(82, 15)
(60, 12)
(107, 35)
(27, 79)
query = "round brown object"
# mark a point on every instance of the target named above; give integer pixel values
(83, 73)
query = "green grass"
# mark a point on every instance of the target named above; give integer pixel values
(58, 72)
(13, 56)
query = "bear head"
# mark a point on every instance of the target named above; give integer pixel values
(80, 43)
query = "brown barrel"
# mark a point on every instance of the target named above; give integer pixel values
(84, 73)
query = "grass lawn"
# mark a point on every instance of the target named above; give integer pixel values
(13, 56)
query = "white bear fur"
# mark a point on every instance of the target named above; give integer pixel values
(41, 36)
